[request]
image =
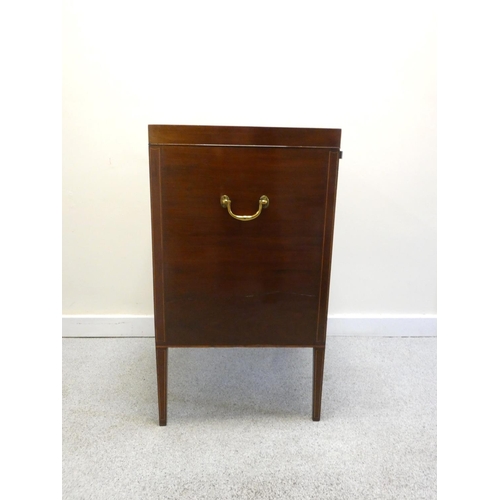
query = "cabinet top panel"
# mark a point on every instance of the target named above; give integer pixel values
(198, 135)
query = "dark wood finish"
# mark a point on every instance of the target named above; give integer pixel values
(318, 367)
(326, 260)
(221, 282)
(162, 378)
(242, 283)
(244, 136)
(157, 231)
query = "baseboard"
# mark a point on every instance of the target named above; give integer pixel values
(382, 326)
(349, 326)
(109, 325)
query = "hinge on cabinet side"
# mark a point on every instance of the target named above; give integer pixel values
(340, 155)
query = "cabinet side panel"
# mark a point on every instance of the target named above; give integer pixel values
(156, 226)
(330, 202)
(229, 282)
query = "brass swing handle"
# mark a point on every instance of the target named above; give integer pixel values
(226, 203)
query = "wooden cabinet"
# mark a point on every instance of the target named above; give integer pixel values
(242, 224)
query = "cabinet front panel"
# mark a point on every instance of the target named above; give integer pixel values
(231, 282)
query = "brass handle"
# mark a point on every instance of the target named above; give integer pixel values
(226, 203)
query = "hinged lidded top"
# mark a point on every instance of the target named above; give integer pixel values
(201, 135)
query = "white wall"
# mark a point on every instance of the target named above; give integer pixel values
(365, 67)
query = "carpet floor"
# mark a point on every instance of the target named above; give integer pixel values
(239, 422)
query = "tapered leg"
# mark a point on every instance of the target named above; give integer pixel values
(162, 377)
(318, 365)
